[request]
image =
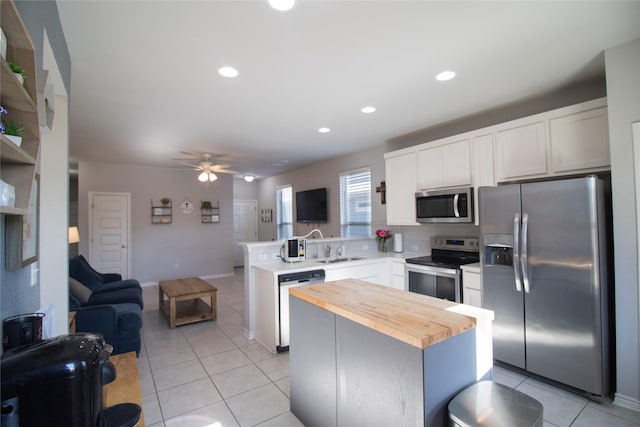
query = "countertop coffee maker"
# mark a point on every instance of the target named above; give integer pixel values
(58, 382)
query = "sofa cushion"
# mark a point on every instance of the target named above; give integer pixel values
(80, 270)
(79, 291)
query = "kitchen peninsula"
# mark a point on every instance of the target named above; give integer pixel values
(365, 354)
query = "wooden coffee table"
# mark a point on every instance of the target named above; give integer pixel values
(185, 304)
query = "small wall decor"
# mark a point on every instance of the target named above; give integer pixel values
(208, 212)
(186, 206)
(266, 215)
(161, 213)
(383, 192)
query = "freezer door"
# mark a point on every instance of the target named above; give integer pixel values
(498, 208)
(563, 314)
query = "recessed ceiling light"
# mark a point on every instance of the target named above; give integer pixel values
(324, 130)
(249, 178)
(368, 110)
(228, 72)
(282, 5)
(445, 75)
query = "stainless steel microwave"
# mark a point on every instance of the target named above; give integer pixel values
(445, 206)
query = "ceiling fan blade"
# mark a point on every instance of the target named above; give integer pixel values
(194, 155)
(225, 171)
(190, 164)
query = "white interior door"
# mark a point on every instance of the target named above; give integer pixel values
(245, 226)
(109, 233)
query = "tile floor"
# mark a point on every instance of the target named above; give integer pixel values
(209, 374)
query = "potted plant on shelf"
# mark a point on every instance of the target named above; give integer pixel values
(205, 206)
(18, 71)
(12, 130)
(165, 201)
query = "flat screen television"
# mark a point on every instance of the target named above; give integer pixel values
(311, 206)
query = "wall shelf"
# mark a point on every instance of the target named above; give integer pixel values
(161, 214)
(210, 215)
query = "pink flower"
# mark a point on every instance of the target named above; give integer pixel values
(383, 234)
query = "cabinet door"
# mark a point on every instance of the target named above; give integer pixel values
(580, 141)
(521, 152)
(444, 166)
(400, 172)
(456, 164)
(482, 172)
(472, 297)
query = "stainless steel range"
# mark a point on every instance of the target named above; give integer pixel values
(440, 275)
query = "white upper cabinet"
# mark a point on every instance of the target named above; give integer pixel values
(521, 152)
(482, 172)
(580, 141)
(401, 179)
(447, 165)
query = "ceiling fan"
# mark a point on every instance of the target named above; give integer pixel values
(205, 164)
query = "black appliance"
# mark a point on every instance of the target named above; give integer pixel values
(451, 205)
(440, 275)
(58, 382)
(21, 330)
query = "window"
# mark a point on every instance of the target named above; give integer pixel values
(355, 203)
(284, 212)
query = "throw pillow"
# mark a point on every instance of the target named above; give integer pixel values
(79, 291)
(80, 270)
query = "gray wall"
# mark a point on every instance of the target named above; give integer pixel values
(623, 87)
(243, 190)
(16, 294)
(198, 249)
(324, 174)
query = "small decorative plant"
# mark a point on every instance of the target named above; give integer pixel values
(165, 201)
(383, 236)
(17, 69)
(205, 205)
(10, 127)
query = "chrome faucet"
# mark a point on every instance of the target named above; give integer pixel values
(340, 250)
(327, 251)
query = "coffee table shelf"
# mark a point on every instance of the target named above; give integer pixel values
(185, 302)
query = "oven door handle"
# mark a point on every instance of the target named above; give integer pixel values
(516, 251)
(456, 211)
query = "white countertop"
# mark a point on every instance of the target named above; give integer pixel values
(292, 267)
(474, 268)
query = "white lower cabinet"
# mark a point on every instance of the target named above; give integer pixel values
(472, 286)
(375, 272)
(397, 274)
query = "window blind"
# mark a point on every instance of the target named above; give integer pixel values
(355, 203)
(284, 212)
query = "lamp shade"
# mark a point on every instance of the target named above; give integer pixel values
(74, 236)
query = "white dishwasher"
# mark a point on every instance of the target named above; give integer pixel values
(286, 281)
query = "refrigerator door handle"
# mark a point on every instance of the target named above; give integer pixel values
(516, 251)
(524, 261)
(456, 211)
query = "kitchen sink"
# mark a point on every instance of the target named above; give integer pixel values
(334, 260)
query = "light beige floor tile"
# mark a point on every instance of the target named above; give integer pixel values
(216, 414)
(256, 352)
(185, 398)
(285, 420)
(226, 361)
(147, 385)
(616, 411)
(592, 417)
(285, 386)
(179, 374)
(171, 357)
(239, 380)
(558, 409)
(160, 424)
(213, 345)
(151, 409)
(258, 405)
(276, 367)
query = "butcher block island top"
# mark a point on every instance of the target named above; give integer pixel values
(418, 320)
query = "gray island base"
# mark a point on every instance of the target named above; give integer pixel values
(358, 363)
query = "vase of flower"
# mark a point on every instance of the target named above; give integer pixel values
(383, 237)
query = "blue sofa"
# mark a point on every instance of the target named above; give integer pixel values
(119, 324)
(101, 288)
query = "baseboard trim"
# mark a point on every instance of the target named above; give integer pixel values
(210, 276)
(626, 402)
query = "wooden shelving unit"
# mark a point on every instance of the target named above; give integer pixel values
(210, 215)
(161, 214)
(18, 164)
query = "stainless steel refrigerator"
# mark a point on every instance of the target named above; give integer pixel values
(544, 274)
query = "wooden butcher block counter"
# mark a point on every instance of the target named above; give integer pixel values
(415, 319)
(365, 354)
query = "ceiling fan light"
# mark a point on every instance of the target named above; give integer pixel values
(203, 177)
(212, 177)
(282, 5)
(249, 178)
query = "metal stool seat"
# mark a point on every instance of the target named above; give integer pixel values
(489, 404)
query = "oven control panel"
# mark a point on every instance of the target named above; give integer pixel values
(455, 243)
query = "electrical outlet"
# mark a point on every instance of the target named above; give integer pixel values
(414, 248)
(365, 247)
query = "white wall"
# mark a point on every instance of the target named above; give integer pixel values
(623, 93)
(324, 174)
(198, 249)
